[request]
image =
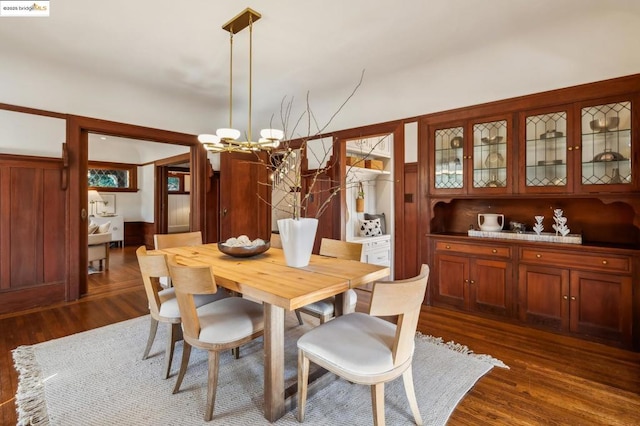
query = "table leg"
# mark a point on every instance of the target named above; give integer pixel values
(273, 362)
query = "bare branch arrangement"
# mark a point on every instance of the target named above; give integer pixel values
(289, 172)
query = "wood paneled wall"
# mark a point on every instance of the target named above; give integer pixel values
(33, 242)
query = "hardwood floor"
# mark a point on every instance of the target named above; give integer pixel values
(552, 379)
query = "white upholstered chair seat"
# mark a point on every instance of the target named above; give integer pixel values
(360, 344)
(229, 319)
(169, 306)
(326, 307)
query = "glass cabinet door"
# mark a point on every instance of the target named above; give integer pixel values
(490, 154)
(606, 144)
(449, 155)
(546, 150)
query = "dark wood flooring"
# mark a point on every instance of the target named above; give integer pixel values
(552, 380)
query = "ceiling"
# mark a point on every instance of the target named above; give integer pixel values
(316, 47)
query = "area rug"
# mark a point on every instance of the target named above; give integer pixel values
(98, 378)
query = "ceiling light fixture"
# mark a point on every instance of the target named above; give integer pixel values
(226, 139)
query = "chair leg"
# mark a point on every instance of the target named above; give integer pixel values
(407, 378)
(325, 318)
(153, 329)
(299, 317)
(377, 402)
(303, 378)
(213, 384)
(174, 335)
(186, 353)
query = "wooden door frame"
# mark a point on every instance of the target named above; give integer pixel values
(78, 129)
(161, 170)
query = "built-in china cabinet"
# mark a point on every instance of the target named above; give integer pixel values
(571, 151)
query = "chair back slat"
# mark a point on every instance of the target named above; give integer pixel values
(340, 249)
(403, 298)
(162, 241)
(152, 267)
(187, 281)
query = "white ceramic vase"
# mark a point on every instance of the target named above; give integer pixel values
(297, 236)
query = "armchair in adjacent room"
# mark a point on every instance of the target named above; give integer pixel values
(98, 244)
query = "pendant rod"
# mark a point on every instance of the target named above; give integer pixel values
(231, 79)
(250, 75)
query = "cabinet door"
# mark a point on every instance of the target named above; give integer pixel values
(490, 287)
(601, 306)
(452, 284)
(606, 148)
(490, 160)
(543, 296)
(545, 165)
(447, 159)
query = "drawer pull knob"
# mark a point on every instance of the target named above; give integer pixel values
(570, 148)
(494, 251)
(447, 246)
(605, 262)
(565, 297)
(538, 255)
(573, 298)
(466, 281)
(472, 282)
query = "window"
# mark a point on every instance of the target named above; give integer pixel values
(112, 176)
(178, 182)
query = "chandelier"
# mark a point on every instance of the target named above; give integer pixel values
(227, 139)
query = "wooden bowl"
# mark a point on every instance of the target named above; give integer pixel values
(246, 251)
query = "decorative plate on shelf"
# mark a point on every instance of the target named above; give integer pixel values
(244, 251)
(456, 142)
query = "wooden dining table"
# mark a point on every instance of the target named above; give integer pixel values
(281, 288)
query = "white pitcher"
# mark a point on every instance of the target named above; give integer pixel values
(489, 222)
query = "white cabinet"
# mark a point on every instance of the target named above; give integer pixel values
(375, 250)
(117, 227)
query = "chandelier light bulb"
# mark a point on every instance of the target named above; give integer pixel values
(272, 134)
(208, 138)
(228, 134)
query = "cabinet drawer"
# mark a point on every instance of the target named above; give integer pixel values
(371, 246)
(378, 257)
(602, 262)
(499, 251)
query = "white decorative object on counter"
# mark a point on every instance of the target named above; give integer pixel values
(560, 224)
(490, 222)
(538, 227)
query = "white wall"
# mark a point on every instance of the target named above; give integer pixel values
(28, 134)
(178, 212)
(32, 82)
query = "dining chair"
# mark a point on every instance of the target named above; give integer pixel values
(181, 239)
(162, 241)
(221, 325)
(325, 309)
(163, 305)
(365, 349)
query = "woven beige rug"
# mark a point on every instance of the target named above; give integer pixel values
(98, 378)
